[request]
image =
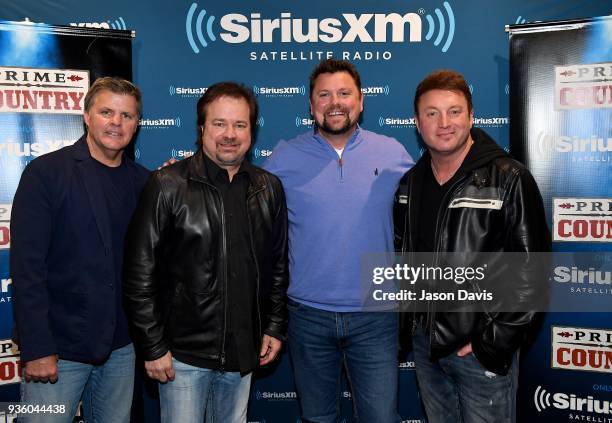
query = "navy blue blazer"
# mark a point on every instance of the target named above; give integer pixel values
(61, 261)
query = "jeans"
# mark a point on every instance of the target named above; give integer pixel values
(458, 389)
(196, 392)
(321, 343)
(105, 389)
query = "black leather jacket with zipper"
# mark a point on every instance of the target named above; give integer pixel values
(514, 221)
(175, 266)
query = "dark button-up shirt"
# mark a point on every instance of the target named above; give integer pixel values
(240, 346)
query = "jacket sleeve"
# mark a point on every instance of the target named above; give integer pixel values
(400, 208)
(31, 228)
(276, 316)
(527, 233)
(142, 288)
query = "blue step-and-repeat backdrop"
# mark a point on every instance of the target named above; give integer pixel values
(182, 47)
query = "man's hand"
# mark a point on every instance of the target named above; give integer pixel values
(270, 347)
(168, 162)
(42, 369)
(161, 369)
(465, 350)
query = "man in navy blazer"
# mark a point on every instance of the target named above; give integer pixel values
(70, 214)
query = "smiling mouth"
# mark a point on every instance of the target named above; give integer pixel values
(336, 112)
(227, 145)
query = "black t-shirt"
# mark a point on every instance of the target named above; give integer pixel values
(430, 200)
(120, 201)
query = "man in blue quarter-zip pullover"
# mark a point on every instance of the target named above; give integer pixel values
(339, 181)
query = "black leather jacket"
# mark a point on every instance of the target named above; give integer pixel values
(519, 225)
(175, 264)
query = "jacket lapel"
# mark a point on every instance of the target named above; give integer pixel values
(415, 192)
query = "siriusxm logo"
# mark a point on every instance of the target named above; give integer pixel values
(494, 122)
(236, 28)
(396, 122)
(137, 153)
(181, 154)
(373, 91)
(406, 365)
(563, 144)
(260, 121)
(564, 274)
(118, 23)
(562, 401)
(160, 123)
(276, 396)
(279, 91)
(34, 149)
(308, 122)
(257, 152)
(187, 91)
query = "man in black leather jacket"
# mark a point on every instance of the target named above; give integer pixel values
(467, 195)
(205, 272)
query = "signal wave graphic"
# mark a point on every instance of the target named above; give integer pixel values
(541, 398)
(442, 27)
(117, 24)
(545, 144)
(303, 122)
(259, 153)
(198, 28)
